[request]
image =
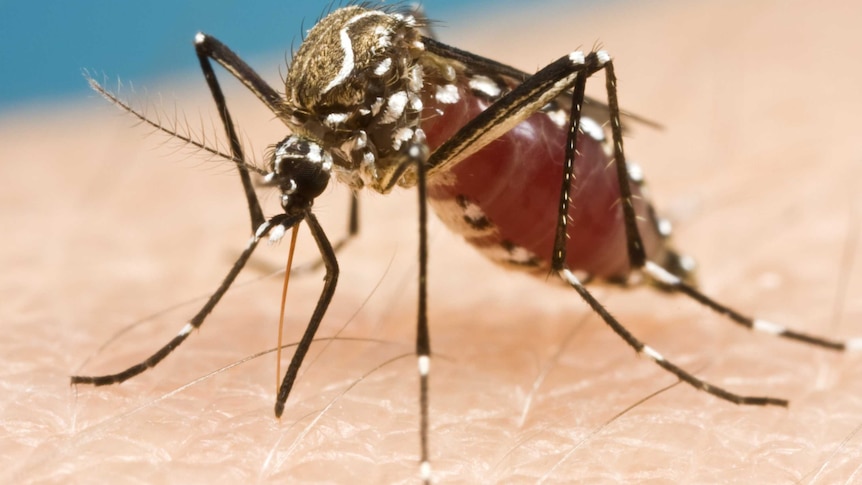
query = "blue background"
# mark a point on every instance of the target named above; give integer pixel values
(45, 45)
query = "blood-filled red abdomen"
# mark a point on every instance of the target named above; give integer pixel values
(504, 199)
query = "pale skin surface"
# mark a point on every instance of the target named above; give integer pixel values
(758, 168)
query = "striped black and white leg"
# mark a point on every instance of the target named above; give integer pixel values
(636, 253)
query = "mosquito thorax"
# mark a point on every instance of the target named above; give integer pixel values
(301, 169)
(355, 85)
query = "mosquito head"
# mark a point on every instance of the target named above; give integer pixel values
(355, 84)
(301, 169)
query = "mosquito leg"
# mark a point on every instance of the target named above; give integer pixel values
(353, 222)
(561, 75)
(656, 357)
(558, 258)
(513, 108)
(636, 252)
(352, 232)
(592, 108)
(566, 73)
(635, 247)
(423, 335)
(634, 242)
(195, 321)
(416, 157)
(674, 283)
(327, 254)
(206, 48)
(638, 260)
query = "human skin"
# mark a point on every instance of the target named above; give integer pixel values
(757, 166)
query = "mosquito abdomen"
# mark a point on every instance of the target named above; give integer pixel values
(504, 198)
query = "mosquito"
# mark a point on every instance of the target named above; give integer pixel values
(518, 164)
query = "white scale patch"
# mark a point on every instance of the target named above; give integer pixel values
(415, 102)
(447, 94)
(588, 126)
(652, 353)
(558, 117)
(314, 153)
(261, 229)
(473, 212)
(853, 344)
(424, 365)
(603, 57)
(276, 234)
(408, 19)
(768, 327)
(665, 228)
(400, 136)
(383, 67)
(415, 78)
(513, 256)
(575, 278)
(593, 129)
(187, 329)
(636, 173)
(660, 274)
(327, 162)
(394, 108)
(687, 263)
(414, 151)
(462, 218)
(383, 37)
(334, 119)
(520, 255)
(347, 64)
(449, 73)
(570, 277)
(485, 85)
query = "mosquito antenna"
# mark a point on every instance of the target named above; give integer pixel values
(172, 131)
(283, 300)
